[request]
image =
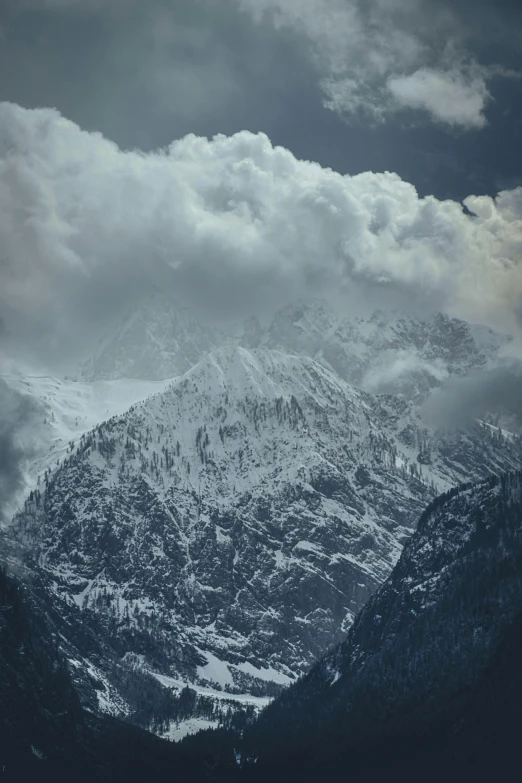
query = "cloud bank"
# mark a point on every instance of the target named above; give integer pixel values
(228, 223)
(497, 390)
(381, 56)
(16, 410)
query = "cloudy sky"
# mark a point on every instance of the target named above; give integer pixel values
(235, 149)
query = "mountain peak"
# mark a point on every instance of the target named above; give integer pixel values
(261, 373)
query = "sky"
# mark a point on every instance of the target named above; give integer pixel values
(241, 151)
(415, 87)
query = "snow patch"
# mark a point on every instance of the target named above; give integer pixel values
(215, 670)
(266, 673)
(177, 731)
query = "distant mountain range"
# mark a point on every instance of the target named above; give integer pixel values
(386, 352)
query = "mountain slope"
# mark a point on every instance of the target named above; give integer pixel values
(41, 714)
(49, 413)
(422, 652)
(226, 531)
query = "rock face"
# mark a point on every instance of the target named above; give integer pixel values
(420, 653)
(226, 531)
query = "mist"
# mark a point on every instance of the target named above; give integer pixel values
(496, 391)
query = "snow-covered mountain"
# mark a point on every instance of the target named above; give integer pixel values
(226, 531)
(158, 339)
(386, 352)
(417, 653)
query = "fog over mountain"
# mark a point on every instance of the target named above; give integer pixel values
(496, 390)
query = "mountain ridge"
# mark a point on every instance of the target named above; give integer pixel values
(386, 351)
(258, 498)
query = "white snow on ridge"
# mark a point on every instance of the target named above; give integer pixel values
(388, 351)
(219, 672)
(504, 433)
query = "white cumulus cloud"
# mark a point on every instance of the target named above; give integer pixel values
(448, 96)
(236, 222)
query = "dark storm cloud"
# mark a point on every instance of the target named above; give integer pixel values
(152, 72)
(384, 56)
